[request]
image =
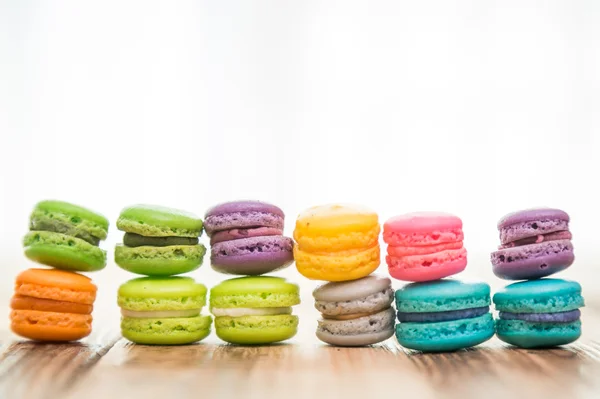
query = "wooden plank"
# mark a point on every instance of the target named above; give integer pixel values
(41, 370)
(304, 368)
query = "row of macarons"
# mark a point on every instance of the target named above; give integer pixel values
(331, 242)
(442, 315)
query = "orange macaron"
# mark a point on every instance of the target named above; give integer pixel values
(52, 305)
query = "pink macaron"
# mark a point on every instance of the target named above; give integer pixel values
(424, 246)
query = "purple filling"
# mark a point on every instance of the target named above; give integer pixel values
(432, 317)
(560, 317)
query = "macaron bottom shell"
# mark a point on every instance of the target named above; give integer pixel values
(166, 331)
(63, 252)
(256, 330)
(337, 266)
(50, 326)
(160, 261)
(537, 335)
(446, 336)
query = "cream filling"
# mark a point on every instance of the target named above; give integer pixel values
(239, 312)
(160, 313)
(349, 316)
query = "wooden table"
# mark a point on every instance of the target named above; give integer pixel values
(107, 366)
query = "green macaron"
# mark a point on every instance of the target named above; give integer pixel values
(159, 241)
(66, 236)
(163, 311)
(255, 310)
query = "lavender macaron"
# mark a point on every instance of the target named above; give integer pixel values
(246, 238)
(534, 243)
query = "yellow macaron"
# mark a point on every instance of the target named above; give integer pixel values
(337, 242)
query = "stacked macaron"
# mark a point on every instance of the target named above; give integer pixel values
(161, 309)
(56, 305)
(340, 244)
(435, 314)
(246, 239)
(541, 312)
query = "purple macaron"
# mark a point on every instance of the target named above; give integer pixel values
(534, 243)
(247, 238)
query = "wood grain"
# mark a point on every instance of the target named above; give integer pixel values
(303, 368)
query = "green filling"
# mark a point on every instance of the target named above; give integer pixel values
(69, 225)
(136, 240)
(187, 252)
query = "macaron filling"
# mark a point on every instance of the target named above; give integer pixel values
(554, 236)
(557, 317)
(432, 317)
(240, 312)
(137, 240)
(62, 227)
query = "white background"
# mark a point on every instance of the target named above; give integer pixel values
(476, 108)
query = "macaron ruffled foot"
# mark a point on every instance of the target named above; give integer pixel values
(539, 313)
(52, 305)
(66, 236)
(534, 243)
(355, 313)
(424, 246)
(246, 238)
(443, 315)
(159, 241)
(255, 310)
(163, 311)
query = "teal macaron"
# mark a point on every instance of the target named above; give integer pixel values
(159, 241)
(539, 313)
(66, 236)
(163, 311)
(443, 315)
(255, 310)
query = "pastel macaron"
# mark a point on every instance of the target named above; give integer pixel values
(66, 236)
(443, 315)
(52, 305)
(163, 310)
(337, 242)
(255, 310)
(355, 313)
(539, 313)
(159, 241)
(534, 243)
(246, 238)
(424, 246)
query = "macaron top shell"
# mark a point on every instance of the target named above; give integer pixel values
(441, 296)
(422, 222)
(351, 290)
(333, 219)
(56, 278)
(161, 293)
(254, 292)
(243, 206)
(166, 287)
(539, 296)
(159, 221)
(530, 215)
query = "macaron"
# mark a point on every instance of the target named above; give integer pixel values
(163, 311)
(246, 238)
(443, 315)
(539, 313)
(66, 236)
(159, 241)
(255, 310)
(424, 246)
(52, 305)
(355, 313)
(534, 243)
(337, 242)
